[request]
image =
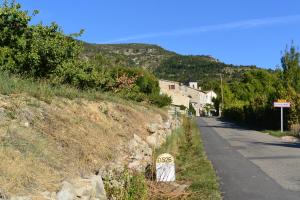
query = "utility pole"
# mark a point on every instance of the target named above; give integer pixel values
(222, 94)
(281, 119)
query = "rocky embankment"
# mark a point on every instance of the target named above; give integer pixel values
(69, 149)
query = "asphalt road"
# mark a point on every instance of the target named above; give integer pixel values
(251, 165)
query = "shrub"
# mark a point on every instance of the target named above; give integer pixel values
(131, 186)
(192, 110)
(160, 100)
(295, 129)
(46, 53)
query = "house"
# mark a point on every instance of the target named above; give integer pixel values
(183, 95)
(210, 95)
(174, 90)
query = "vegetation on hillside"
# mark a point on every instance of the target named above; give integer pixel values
(250, 99)
(44, 52)
(146, 56)
(167, 65)
(203, 69)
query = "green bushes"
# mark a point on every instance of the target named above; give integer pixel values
(250, 100)
(46, 53)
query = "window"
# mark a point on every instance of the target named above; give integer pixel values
(171, 87)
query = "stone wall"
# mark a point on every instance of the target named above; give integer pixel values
(137, 155)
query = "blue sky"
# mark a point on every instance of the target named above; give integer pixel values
(248, 32)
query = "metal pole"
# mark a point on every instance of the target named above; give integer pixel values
(222, 105)
(176, 114)
(281, 119)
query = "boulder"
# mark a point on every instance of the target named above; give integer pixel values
(83, 188)
(67, 192)
(98, 187)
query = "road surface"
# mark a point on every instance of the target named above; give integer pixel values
(251, 165)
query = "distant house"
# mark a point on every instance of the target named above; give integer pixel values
(210, 95)
(174, 90)
(183, 95)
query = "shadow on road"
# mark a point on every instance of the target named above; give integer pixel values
(281, 144)
(226, 124)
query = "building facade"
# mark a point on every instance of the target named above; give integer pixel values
(183, 95)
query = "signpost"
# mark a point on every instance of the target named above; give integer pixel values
(282, 103)
(165, 168)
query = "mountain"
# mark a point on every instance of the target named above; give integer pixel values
(135, 55)
(166, 64)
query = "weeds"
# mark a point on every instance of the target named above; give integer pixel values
(187, 127)
(192, 166)
(127, 186)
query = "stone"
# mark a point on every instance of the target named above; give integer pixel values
(152, 128)
(83, 188)
(20, 198)
(138, 139)
(153, 140)
(167, 125)
(290, 139)
(67, 192)
(49, 195)
(98, 187)
(135, 165)
(26, 124)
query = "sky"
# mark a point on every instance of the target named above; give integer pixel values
(241, 32)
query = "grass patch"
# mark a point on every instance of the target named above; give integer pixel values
(42, 90)
(192, 165)
(279, 133)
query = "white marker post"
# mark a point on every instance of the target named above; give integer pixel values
(165, 168)
(281, 103)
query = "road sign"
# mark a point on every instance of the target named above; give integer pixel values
(281, 103)
(165, 168)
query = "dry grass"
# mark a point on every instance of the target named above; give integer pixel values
(163, 191)
(192, 166)
(42, 144)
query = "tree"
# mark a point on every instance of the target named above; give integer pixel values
(291, 68)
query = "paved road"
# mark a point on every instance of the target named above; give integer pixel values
(251, 165)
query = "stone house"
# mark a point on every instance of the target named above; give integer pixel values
(183, 95)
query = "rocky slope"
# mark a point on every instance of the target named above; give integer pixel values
(53, 150)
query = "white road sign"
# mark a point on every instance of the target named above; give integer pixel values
(282, 104)
(165, 168)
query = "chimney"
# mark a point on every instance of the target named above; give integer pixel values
(193, 85)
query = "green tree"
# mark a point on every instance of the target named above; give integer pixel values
(291, 67)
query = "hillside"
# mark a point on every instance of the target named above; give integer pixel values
(166, 64)
(45, 140)
(134, 55)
